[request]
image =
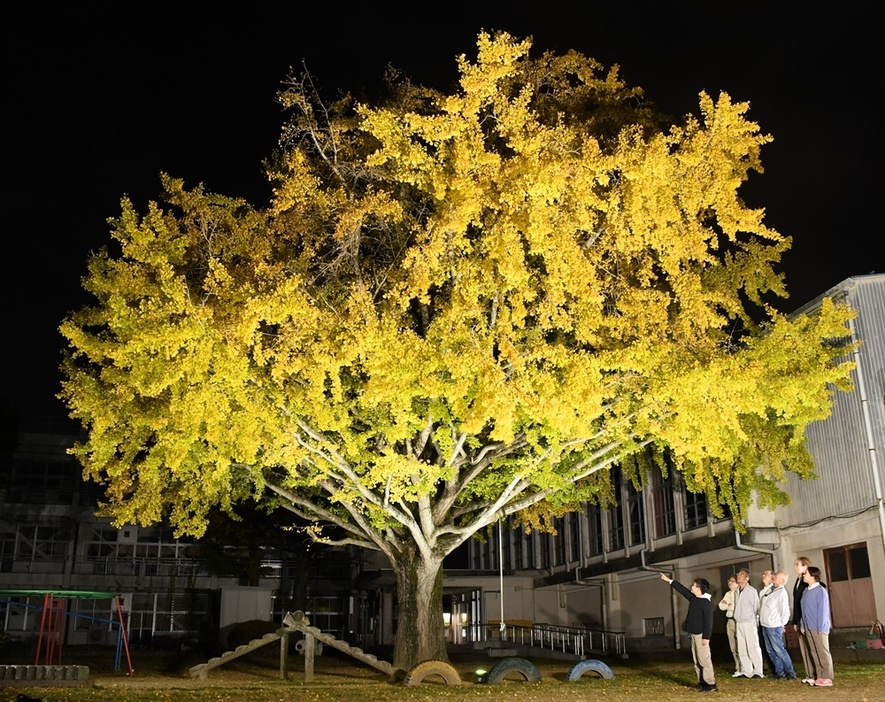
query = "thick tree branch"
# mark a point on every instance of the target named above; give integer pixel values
(423, 437)
(351, 478)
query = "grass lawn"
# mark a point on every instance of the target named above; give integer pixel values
(159, 678)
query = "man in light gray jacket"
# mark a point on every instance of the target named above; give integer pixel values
(746, 617)
(726, 604)
(774, 613)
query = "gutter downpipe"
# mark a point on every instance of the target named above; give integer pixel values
(868, 429)
(744, 547)
(644, 565)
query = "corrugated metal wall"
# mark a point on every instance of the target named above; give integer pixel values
(839, 444)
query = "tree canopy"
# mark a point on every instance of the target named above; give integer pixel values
(455, 307)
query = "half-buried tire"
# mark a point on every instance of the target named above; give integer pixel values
(591, 666)
(432, 669)
(528, 670)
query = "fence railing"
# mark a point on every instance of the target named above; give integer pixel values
(577, 641)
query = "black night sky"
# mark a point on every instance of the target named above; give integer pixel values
(102, 97)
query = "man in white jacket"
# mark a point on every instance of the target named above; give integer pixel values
(746, 616)
(774, 613)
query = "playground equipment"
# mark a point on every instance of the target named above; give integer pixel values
(54, 614)
(294, 622)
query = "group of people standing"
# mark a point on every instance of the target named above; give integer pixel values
(756, 622)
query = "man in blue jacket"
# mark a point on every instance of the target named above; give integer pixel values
(699, 625)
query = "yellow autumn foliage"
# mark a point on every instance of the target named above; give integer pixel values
(455, 307)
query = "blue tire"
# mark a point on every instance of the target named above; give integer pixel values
(591, 666)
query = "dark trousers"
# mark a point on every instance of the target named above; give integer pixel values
(781, 662)
(766, 658)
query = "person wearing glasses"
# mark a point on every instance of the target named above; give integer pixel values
(774, 614)
(699, 626)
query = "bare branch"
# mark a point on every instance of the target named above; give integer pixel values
(311, 510)
(362, 543)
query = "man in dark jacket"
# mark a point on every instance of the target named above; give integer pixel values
(699, 625)
(799, 588)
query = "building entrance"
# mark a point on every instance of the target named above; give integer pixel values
(851, 587)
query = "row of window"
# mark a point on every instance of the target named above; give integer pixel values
(34, 542)
(664, 503)
(143, 551)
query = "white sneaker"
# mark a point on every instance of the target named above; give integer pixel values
(808, 681)
(739, 674)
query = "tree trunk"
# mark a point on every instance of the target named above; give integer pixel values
(303, 567)
(420, 634)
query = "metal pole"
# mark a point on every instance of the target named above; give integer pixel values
(62, 621)
(868, 429)
(47, 600)
(123, 633)
(502, 626)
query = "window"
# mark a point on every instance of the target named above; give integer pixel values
(859, 562)
(615, 517)
(326, 613)
(518, 536)
(594, 524)
(695, 509)
(653, 626)
(166, 614)
(503, 530)
(476, 554)
(42, 543)
(530, 550)
(726, 514)
(559, 541)
(574, 520)
(490, 552)
(636, 509)
(848, 563)
(663, 503)
(102, 542)
(7, 548)
(545, 550)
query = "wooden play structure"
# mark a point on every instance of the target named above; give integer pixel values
(294, 622)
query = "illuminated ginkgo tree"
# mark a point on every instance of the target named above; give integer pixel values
(456, 307)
